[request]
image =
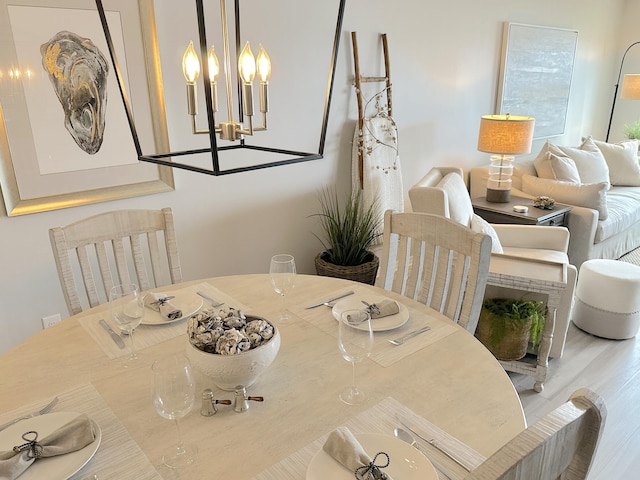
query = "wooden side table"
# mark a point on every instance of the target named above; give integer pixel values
(531, 275)
(504, 213)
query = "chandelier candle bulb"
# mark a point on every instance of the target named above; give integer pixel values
(214, 71)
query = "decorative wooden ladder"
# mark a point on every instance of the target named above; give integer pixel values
(359, 80)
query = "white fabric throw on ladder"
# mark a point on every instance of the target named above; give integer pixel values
(382, 178)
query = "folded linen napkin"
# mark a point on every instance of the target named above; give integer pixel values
(384, 308)
(160, 302)
(74, 435)
(343, 447)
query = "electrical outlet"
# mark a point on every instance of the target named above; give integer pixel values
(50, 320)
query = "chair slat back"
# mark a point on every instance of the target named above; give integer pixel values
(112, 248)
(560, 445)
(438, 262)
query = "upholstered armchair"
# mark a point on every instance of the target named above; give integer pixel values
(440, 194)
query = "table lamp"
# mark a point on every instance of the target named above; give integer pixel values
(503, 136)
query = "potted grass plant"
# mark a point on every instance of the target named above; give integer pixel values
(507, 326)
(349, 229)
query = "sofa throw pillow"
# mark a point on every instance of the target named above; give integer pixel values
(460, 207)
(557, 167)
(480, 225)
(588, 159)
(622, 160)
(590, 195)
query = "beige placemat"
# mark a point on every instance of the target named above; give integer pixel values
(118, 456)
(383, 418)
(148, 335)
(384, 353)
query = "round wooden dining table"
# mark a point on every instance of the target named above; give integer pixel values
(444, 376)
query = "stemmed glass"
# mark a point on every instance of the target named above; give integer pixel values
(174, 394)
(126, 306)
(283, 274)
(355, 340)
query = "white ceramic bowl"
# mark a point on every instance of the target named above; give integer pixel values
(229, 371)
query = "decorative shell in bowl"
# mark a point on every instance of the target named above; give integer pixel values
(230, 347)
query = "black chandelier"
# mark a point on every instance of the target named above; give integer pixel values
(230, 130)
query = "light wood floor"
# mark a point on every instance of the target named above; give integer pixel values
(612, 369)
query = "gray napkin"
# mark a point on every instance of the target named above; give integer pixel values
(76, 434)
(343, 447)
(161, 303)
(384, 308)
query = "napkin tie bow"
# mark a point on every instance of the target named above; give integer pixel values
(371, 471)
(35, 449)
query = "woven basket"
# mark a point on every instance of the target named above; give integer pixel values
(513, 346)
(363, 273)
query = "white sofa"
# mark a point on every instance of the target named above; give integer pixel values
(591, 235)
(432, 194)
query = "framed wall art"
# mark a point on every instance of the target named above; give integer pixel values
(535, 75)
(64, 137)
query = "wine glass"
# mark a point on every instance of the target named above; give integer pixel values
(355, 340)
(127, 310)
(174, 394)
(283, 274)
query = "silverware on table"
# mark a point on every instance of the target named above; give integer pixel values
(214, 302)
(404, 338)
(407, 437)
(116, 338)
(46, 409)
(329, 300)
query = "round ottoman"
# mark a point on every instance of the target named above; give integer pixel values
(607, 300)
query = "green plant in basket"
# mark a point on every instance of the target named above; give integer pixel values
(510, 315)
(349, 229)
(632, 131)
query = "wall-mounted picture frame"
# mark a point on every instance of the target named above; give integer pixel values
(45, 160)
(535, 75)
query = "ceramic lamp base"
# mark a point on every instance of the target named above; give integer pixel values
(498, 196)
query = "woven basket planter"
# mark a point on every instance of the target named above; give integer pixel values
(363, 273)
(514, 344)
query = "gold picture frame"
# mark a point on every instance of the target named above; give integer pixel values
(27, 187)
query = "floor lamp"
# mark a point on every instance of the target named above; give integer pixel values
(630, 87)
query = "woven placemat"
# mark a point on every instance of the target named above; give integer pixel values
(119, 456)
(148, 335)
(384, 353)
(383, 418)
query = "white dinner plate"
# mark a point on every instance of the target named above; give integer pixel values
(60, 467)
(406, 463)
(354, 302)
(188, 302)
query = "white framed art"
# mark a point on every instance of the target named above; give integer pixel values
(535, 75)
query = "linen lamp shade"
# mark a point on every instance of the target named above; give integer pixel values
(631, 86)
(503, 136)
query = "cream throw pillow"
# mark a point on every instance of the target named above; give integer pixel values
(480, 225)
(460, 207)
(622, 160)
(557, 167)
(590, 195)
(588, 159)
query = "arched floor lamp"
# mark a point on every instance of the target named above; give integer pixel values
(630, 87)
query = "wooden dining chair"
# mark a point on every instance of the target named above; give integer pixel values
(438, 262)
(111, 248)
(561, 445)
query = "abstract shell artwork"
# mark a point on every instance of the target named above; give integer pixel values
(78, 73)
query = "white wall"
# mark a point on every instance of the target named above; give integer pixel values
(445, 59)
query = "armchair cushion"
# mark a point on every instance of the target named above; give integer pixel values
(460, 207)
(480, 225)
